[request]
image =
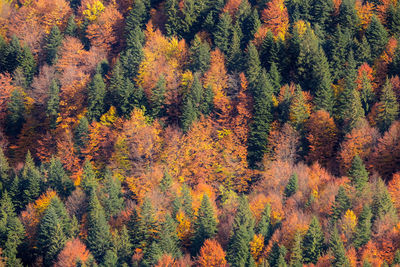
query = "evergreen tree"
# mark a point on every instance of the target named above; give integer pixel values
(133, 55)
(275, 78)
(137, 16)
(264, 227)
(388, 108)
(367, 95)
(341, 204)
(27, 64)
(110, 259)
(238, 253)
(69, 226)
(189, 114)
(211, 14)
(58, 179)
(98, 233)
(89, 181)
(377, 36)
(135, 230)
(169, 241)
(262, 117)
(187, 201)
(192, 106)
(396, 259)
(81, 134)
(199, 55)
(358, 174)
(298, 110)
(362, 51)
(296, 257)
(96, 95)
(157, 99)
(51, 237)
(113, 201)
(148, 226)
(29, 186)
(253, 67)
(277, 255)
(292, 186)
(268, 51)
(340, 47)
(205, 225)
(393, 19)
(166, 182)
(15, 113)
(71, 28)
(152, 255)
(313, 242)
(53, 42)
(320, 11)
(363, 230)
(123, 246)
(172, 25)
(338, 250)
(382, 202)
(348, 17)
(223, 33)
(5, 175)
(207, 104)
(13, 54)
(234, 54)
(53, 103)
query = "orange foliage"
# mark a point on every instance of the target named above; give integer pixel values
(382, 63)
(283, 143)
(371, 253)
(30, 220)
(394, 190)
(73, 250)
(352, 256)
(43, 201)
(66, 153)
(166, 261)
(383, 7)
(364, 12)
(256, 248)
(336, 6)
(184, 228)
(322, 137)
(232, 7)
(211, 254)
(364, 70)
(6, 89)
(276, 18)
(257, 205)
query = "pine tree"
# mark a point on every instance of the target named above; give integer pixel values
(71, 28)
(277, 255)
(137, 16)
(113, 201)
(15, 113)
(96, 95)
(51, 237)
(253, 70)
(53, 103)
(53, 42)
(172, 25)
(28, 64)
(81, 134)
(264, 226)
(223, 33)
(133, 55)
(388, 108)
(292, 186)
(363, 230)
(29, 186)
(341, 204)
(58, 179)
(262, 117)
(166, 182)
(296, 256)
(5, 174)
(382, 202)
(199, 55)
(298, 110)
(275, 78)
(98, 233)
(89, 181)
(338, 250)
(157, 99)
(313, 242)
(152, 255)
(358, 174)
(268, 51)
(234, 56)
(377, 36)
(238, 253)
(205, 225)
(169, 241)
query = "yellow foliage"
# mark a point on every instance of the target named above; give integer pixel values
(183, 229)
(256, 247)
(43, 201)
(349, 221)
(109, 118)
(93, 11)
(301, 27)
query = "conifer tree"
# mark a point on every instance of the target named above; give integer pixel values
(98, 235)
(148, 225)
(96, 95)
(123, 246)
(264, 227)
(393, 19)
(71, 28)
(313, 242)
(5, 175)
(13, 54)
(58, 179)
(341, 204)
(296, 256)
(133, 55)
(340, 46)
(53, 42)
(205, 225)
(277, 255)
(275, 78)
(362, 51)
(169, 241)
(15, 113)
(367, 95)
(268, 51)
(238, 253)
(211, 15)
(166, 182)
(348, 15)
(187, 201)
(338, 250)
(53, 103)
(69, 226)
(223, 33)
(388, 108)
(137, 16)
(89, 181)
(189, 114)
(27, 64)
(29, 186)
(81, 134)
(134, 229)
(292, 186)
(152, 255)
(110, 259)
(113, 202)
(172, 25)
(51, 236)
(234, 56)
(363, 230)
(157, 98)
(200, 55)
(396, 259)
(358, 174)
(377, 36)
(192, 106)
(320, 11)
(382, 202)
(298, 110)
(253, 70)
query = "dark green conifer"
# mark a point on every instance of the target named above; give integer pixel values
(53, 103)
(169, 241)
(166, 182)
(341, 204)
(29, 186)
(5, 174)
(313, 242)
(172, 25)
(81, 134)
(358, 174)
(199, 55)
(89, 181)
(388, 110)
(277, 255)
(296, 256)
(363, 230)
(113, 199)
(71, 28)
(152, 255)
(382, 202)
(268, 51)
(58, 179)
(53, 42)
(264, 227)
(338, 250)
(377, 36)
(157, 98)
(223, 33)
(15, 113)
(292, 186)
(96, 95)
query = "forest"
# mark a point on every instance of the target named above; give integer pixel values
(210, 133)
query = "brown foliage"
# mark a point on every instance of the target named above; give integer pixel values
(276, 18)
(73, 250)
(211, 254)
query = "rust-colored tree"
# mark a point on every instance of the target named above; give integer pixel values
(211, 254)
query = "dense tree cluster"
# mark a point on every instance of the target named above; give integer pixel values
(199, 133)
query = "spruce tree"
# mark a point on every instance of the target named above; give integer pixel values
(292, 186)
(238, 253)
(264, 226)
(169, 241)
(133, 55)
(13, 54)
(275, 78)
(277, 255)
(53, 103)
(98, 234)
(123, 246)
(205, 225)
(30, 180)
(110, 259)
(152, 255)
(223, 33)
(15, 113)
(71, 28)
(358, 174)
(377, 36)
(27, 64)
(5, 174)
(348, 17)
(96, 95)
(51, 237)
(157, 99)
(113, 200)
(363, 230)
(268, 51)
(313, 242)
(58, 179)
(388, 108)
(53, 42)
(189, 114)
(89, 181)
(367, 94)
(199, 55)
(253, 66)
(187, 201)
(166, 182)
(81, 134)
(341, 204)
(172, 25)
(298, 110)
(296, 256)
(362, 51)
(148, 227)
(393, 19)
(234, 54)
(338, 250)
(382, 202)
(134, 229)
(137, 16)
(320, 11)
(69, 226)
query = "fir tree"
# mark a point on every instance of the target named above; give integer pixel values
(89, 181)
(277, 255)
(169, 241)
(382, 202)
(341, 204)
(148, 226)
(135, 230)
(275, 78)
(367, 95)
(110, 259)
(166, 182)
(320, 11)
(15, 113)
(296, 256)
(264, 227)
(13, 54)
(53, 103)
(189, 114)
(313, 242)
(58, 179)
(268, 51)
(152, 255)
(348, 17)
(5, 175)
(113, 201)
(157, 99)
(292, 186)
(69, 226)
(187, 200)
(234, 56)
(298, 110)
(358, 174)
(200, 55)
(28, 64)
(53, 42)
(377, 36)
(137, 16)
(71, 28)
(96, 95)
(253, 66)
(81, 134)
(29, 186)
(362, 51)
(388, 108)
(363, 230)
(205, 225)
(338, 250)
(172, 25)
(133, 55)
(123, 246)
(223, 33)
(393, 19)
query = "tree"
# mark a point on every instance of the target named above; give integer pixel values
(363, 230)
(113, 199)
(172, 25)
(58, 179)
(53, 103)
(98, 236)
(313, 242)
(123, 246)
(242, 233)
(71, 28)
(211, 254)
(89, 181)
(169, 241)
(388, 108)
(5, 173)
(96, 98)
(377, 36)
(277, 255)
(338, 250)
(253, 67)
(51, 237)
(157, 99)
(276, 18)
(29, 185)
(358, 174)
(292, 186)
(137, 16)
(382, 202)
(264, 226)
(27, 64)
(73, 251)
(296, 256)
(152, 255)
(15, 113)
(205, 225)
(341, 204)
(53, 42)
(166, 182)
(200, 55)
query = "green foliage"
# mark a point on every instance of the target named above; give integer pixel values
(277, 256)
(296, 256)
(81, 134)
(200, 55)
(15, 113)
(53, 42)
(157, 99)
(29, 184)
(313, 242)
(358, 174)
(89, 181)
(264, 226)
(71, 28)
(152, 255)
(341, 204)
(223, 33)
(58, 179)
(53, 103)
(169, 241)
(388, 108)
(4, 172)
(292, 186)
(382, 202)
(113, 201)
(377, 36)
(338, 250)
(363, 230)
(96, 95)
(166, 182)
